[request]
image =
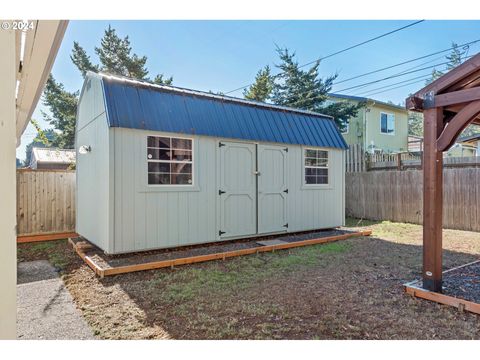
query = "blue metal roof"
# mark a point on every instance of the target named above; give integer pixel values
(139, 105)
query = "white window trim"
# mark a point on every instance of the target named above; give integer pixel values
(394, 123)
(328, 185)
(168, 186)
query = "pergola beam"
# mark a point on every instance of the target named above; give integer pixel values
(459, 122)
(457, 97)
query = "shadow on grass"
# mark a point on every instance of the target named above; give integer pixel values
(348, 289)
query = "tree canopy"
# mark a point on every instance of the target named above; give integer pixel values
(115, 57)
(298, 88)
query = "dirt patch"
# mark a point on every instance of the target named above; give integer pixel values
(350, 289)
(108, 261)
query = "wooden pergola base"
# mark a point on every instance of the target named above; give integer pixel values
(82, 247)
(461, 304)
(45, 237)
(413, 288)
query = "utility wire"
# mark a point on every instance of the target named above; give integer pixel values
(339, 52)
(373, 82)
(406, 62)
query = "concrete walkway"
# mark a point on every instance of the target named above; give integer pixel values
(45, 308)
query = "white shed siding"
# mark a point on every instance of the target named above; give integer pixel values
(149, 217)
(93, 169)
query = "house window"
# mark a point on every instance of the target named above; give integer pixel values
(169, 161)
(316, 167)
(387, 123)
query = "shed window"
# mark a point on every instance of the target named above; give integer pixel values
(387, 123)
(316, 167)
(170, 161)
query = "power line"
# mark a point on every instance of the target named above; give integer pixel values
(363, 43)
(393, 76)
(339, 52)
(386, 86)
(397, 87)
(373, 82)
(406, 62)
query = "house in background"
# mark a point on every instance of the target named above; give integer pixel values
(464, 147)
(52, 158)
(378, 126)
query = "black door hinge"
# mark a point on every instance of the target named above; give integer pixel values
(221, 144)
(220, 232)
(286, 225)
(220, 192)
(285, 191)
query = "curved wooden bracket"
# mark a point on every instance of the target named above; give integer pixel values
(459, 122)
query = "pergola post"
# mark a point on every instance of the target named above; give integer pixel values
(432, 200)
(449, 105)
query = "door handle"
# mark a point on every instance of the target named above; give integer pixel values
(257, 173)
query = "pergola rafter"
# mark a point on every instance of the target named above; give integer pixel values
(449, 105)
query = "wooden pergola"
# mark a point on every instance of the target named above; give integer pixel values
(449, 105)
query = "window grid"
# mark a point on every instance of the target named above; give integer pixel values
(169, 161)
(316, 167)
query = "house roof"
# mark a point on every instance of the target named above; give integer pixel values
(467, 139)
(138, 104)
(53, 155)
(370, 100)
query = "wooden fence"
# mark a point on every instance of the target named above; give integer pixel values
(357, 160)
(45, 201)
(398, 196)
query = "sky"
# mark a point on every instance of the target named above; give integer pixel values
(225, 55)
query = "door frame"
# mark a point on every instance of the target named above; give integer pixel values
(218, 205)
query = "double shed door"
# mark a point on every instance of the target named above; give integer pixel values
(253, 189)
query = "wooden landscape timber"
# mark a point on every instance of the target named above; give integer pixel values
(449, 104)
(102, 272)
(460, 304)
(45, 237)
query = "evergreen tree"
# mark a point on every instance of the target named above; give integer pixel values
(63, 108)
(115, 55)
(305, 89)
(415, 123)
(262, 88)
(43, 139)
(455, 58)
(82, 61)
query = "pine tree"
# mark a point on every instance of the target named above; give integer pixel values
(43, 139)
(455, 58)
(415, 123)
(63, 108)
(262, 88)
(115, 55)
(80, 58)
(305, 89)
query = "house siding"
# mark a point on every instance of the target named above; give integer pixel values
(388, 143)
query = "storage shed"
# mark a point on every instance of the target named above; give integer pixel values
(161, 166)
